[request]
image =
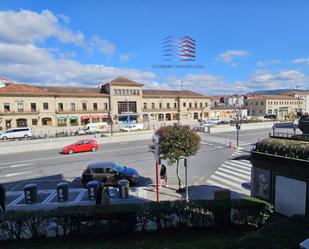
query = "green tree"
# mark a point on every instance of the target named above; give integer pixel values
(176, 143)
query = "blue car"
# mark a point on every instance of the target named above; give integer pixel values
(109, 173)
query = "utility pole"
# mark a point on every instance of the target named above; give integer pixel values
(186, 176)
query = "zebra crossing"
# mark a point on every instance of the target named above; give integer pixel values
(225, 142)
(233, 174)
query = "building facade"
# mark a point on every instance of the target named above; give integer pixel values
(280, 105)
(303, 95)
(120, 100)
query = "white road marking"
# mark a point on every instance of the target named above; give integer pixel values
(20, 165)
(16, 174)
(238, 170)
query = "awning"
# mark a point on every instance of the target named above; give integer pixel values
(61, 118)
(95, 117)
(73, 118)
(84, 117)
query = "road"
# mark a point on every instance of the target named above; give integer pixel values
(49, 166)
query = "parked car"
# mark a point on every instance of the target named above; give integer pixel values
(81, 146)
(207, 123)
(133, 127)
(109, 173)
(16, 133)
(91, 128)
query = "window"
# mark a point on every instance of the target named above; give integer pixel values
(33, 107)
(7, 107)
(160, 105)
(145, 106)
(20, 107)
(45, 106)
(168, 117)
(21, 122)
(126, 106)
(115, 91)
(153, 106)
(195, 105)
(72, 106)
(161, 117)
(127, 92)
(123, 92)
(201, 105)
(184, 104)
(190, 105)
(95, 106)
(131, 92)
(137, 92)
(60, 107)
(46, 121)
(105, 106)
(134, 92)
(175, 105)
(34, 121)
(262, 103)
(206, 104)
(84, 106)
(168, 105)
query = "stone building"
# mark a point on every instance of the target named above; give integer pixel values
(120, 100)
(280, 105)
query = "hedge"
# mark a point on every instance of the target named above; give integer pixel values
(98, 220)
(285, 233)
(283, 147)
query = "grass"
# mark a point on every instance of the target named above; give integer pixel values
(188, 239)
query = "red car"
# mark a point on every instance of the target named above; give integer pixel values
(81, 146)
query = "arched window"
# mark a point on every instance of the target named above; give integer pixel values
(46, 121)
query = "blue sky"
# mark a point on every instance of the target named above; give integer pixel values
(241, 45)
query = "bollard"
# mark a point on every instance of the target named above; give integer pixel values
(93, 187)
(63, 191)
(123, 188)
(30, 191)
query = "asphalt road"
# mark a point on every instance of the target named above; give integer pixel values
(48, 166)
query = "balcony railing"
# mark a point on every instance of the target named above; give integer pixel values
(81, 111)
(195, 108)
(16, 113)
(160, 109)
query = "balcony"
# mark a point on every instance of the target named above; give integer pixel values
(160, 110)
(196, 108)
(17, 113)
(81, 111)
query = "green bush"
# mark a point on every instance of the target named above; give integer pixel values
(98, 220)
(286, 233)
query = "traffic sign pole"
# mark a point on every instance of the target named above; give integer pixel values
(157, 180)
(186, 175)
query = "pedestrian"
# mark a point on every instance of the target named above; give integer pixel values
(2, 197)
(163, 176)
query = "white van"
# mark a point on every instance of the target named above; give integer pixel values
(16, 133)
(133, 127)
(91, 128)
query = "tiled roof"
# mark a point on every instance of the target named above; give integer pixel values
(23, 89)
(280, 97)
(122, 81)
(172, 94)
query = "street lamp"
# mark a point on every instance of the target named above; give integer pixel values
(110, 121)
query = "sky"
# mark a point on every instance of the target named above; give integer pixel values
(240, 46)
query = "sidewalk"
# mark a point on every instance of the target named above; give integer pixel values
(47, 199)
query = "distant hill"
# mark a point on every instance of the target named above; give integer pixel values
(272, 92)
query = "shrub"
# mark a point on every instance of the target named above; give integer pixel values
(98, 220)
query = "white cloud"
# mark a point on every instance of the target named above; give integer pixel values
(229, 56)
(28, 27)
(104, 46)
(301, 61)
(267, 63)
(124, 57)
